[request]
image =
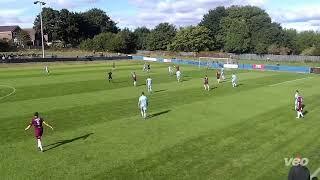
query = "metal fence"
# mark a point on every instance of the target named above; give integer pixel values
(270, 57)
(266, 57)
(88, 58)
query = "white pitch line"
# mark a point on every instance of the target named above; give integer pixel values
(12, 92)
(290, 81)
(315, 173)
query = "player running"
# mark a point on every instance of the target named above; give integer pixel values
(148, 68)
(134, 78)
(110, 76)
(234, 80)
(142, 104)
(170, 70)
(149, 84)
(178, 73)
(206, 83)
(144, 67)
(177, 68)
(222, 74)
(37, 122)
(299, 107)
(296, 95)
(46, 69)
(218, 75)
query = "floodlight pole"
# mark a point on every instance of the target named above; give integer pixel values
(42, 35)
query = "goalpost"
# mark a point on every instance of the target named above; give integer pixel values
(211, 60)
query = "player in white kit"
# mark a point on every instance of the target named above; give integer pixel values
(46, 69)
(222, 74)
(234, 80)
(178, 73)
(170, 70)
(142, 104)
(296, 95)
(149, 84)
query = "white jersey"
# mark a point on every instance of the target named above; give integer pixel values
(149, 81)
(143, 101)
(296, 95)
(178, 73)
(169, 69)
(234, 78)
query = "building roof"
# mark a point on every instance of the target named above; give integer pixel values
(8, 28)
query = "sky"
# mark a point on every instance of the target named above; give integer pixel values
(298, 14)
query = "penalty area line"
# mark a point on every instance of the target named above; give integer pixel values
(11, 93)
(290, 81)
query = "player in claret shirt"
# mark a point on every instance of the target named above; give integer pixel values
(299, 107)
(134, 78)
(37, 122)
(206, 83)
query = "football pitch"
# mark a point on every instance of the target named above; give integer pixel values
(227, 133)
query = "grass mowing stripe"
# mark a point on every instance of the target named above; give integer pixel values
(183, 113)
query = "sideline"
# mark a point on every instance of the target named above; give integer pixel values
(290, 81)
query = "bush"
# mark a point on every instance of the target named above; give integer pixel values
(122, 42)
(6, 46)
(312, 51)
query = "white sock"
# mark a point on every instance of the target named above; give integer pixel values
(142, 113)
(145, 114)
(40, 145)
(301, 114)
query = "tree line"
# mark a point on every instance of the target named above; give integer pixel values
(236, 29)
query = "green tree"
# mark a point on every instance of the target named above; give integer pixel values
(129, 41)
(141, 34)
(236, 35)
(5, 46)
(50, 19)
(69, 31)
(212, 21)
(24, 38)
(98, 22)
(161, 37)
(193, 38)
(307, 39)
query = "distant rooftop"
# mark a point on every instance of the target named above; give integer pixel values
(8, 28)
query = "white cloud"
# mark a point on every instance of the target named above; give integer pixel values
(301, 18)
(178, 12)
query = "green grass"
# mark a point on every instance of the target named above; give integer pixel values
(227, 133)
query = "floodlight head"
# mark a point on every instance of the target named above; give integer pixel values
(36, 2)
(43, 3)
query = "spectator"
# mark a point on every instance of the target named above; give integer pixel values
(299, 172)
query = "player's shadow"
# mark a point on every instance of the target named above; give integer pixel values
(161, 90)
(158, 114)
(67, 141)
(212, 88)
(305, 113)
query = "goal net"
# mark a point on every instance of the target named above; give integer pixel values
(209, 61)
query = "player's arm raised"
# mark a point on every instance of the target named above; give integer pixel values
(47, 125)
